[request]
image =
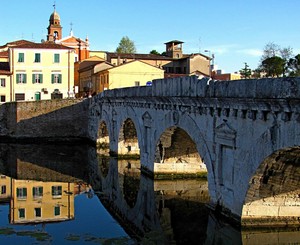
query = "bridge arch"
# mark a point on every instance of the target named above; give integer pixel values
(103, 136)
(128, 138)
(274, 190)
(266, 178)
(186, 123)
(176, 151)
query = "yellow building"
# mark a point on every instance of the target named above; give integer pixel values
(95, 78)
(37, 201)
(40, 71)
(5, 81)
(5, 188)
(135, 73)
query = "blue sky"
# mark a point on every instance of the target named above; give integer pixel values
(235, 31)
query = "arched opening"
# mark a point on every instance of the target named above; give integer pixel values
(128, 140)
(103, 138)
(176, 153)
(273, 196)
(129, 178)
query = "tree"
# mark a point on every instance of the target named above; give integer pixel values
(294, 66)
(154, 52)
(126, 46)
(273, 66)
(246, 72)
(270, 50)
(276, 59)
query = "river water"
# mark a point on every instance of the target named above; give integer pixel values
(60, 194)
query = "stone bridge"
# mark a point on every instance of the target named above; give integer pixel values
(244, 133)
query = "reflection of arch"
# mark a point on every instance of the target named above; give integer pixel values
(129, 178)
(274, 189)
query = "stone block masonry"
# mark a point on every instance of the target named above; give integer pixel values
(45, 120)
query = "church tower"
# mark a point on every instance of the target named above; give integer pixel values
(54, 28)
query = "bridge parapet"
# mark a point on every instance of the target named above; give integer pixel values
(191, 86)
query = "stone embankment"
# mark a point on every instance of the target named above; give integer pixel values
(44, 121)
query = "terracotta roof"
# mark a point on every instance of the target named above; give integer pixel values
(137, 56)
(46, 45)
(15, 43)
(86, 65)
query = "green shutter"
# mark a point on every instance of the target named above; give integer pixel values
(56, 58)
(18, 192)
(33, 78)
(56, 210)
(41, 78)
(52, 78)
(17, 78)
(25, 78)
(41, 190)
(59, 78)
(33, 191)
(25, 192)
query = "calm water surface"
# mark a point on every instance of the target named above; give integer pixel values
(55, 194)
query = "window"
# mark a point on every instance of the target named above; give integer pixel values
(37, 58)
(21, 78)
(37, 78)
(56, 58)
(37, 192)
(57, 210)
(20, 97)
(2, 98)
(2, 82)
(3, 189)
(56, 78)
(22, 193)
(38, 212)
(21, 57)
(56, 191)
(136, 83)
(22, 213)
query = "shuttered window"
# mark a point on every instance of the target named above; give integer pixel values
(56, 78)
(21, 78)
(37, 78)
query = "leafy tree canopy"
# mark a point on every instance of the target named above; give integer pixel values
(273, 66)
(154, 52)
(275, 60)
(126, 46)
(246, 72)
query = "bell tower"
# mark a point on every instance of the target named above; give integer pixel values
(54, 28)
(174, 49)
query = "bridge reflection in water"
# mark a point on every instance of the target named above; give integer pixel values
(40, 184)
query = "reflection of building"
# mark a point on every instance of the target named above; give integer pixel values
(5, 188)
(34, 201)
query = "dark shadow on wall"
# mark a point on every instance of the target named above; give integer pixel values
(45, 121)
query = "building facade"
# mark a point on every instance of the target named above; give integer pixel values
(41, 71)
(99, 76)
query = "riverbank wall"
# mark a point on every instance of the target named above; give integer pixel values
(44, 121)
